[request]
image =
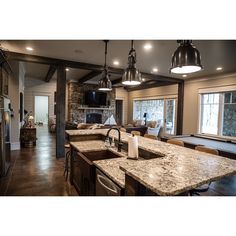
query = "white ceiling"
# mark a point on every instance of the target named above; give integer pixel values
(214, 53)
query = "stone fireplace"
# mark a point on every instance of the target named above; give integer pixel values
(77, 112)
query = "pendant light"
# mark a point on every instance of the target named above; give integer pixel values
(104, 83)
(131, 76)
(186, 58)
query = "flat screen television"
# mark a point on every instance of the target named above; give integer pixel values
(95, 99)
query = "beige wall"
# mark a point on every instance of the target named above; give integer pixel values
(122, 94)
(191, 98)
(171, 90)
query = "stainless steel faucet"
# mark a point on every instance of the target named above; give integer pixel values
(119, 142)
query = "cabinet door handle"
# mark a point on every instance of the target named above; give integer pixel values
(101, 178)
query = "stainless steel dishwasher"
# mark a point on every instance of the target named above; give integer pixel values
(105, 186)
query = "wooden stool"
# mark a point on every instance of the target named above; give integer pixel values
(67, 160)
(150, 136)
(176, 142)
(122, 129)
(207, 150)
(135, 133)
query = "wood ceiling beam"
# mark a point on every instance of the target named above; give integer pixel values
(52, 69)
(4, 63)
(54, 61)
(89, 76)
(116, 81)
(81, 65)
(160, 78)
(148, 85)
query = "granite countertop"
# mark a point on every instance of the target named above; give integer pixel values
(180, 170)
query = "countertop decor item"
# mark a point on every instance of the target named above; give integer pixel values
(104, 83)
(132, 76)
(186, 59)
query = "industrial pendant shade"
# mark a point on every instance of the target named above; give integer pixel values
(186, 58)
(104, 83)
(131, 76)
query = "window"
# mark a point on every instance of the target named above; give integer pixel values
(161, 110)
(218, 114)
(153, 108)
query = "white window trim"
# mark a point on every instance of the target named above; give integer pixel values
(156, 98)
(220, 89)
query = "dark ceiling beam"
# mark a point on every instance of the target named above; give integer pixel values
(54, 61)
(89, 76)
(4, 63)
(81, 65)
(116, 81)
(160, 78)
(52, 69)
(148, 85)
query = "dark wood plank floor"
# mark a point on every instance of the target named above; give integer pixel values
(36, 171)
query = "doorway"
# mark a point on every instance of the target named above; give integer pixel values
(119, 112)
(41, 110)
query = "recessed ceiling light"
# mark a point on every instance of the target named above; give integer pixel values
(184, 75)
(143, 79)
(67, 69)
(29, 48)
(147, 46)
(154, 69)
(116, 62)
(219, 68)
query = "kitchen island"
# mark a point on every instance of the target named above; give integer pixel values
(178, 171)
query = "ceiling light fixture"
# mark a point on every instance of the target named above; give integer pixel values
(219, 68)
(131, 76)
(67, 69)
(116, 63)
(184, 76)
(186, 58)
(147, 46)
(29, 48)
(104, 83)
(154, 70)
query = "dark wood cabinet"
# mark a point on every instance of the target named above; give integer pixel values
(28, 137)
(82, 174)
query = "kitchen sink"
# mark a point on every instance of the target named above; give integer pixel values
(147, 155)
(100, 155)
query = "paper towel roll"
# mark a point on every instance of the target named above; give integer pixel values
(133, 147)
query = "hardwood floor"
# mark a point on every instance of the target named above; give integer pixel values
(36, 171)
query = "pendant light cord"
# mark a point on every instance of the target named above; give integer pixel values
(132, 55)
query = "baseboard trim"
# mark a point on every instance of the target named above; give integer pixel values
(15, 146)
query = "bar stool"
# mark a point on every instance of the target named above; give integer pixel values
(67, 160)
(135, 133)
(150, 136)
(176, 142)
(122, 129)
(204, 187)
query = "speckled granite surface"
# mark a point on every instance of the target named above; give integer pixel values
(180, 170)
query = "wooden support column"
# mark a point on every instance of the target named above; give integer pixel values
(180, 109)
(60, 111)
